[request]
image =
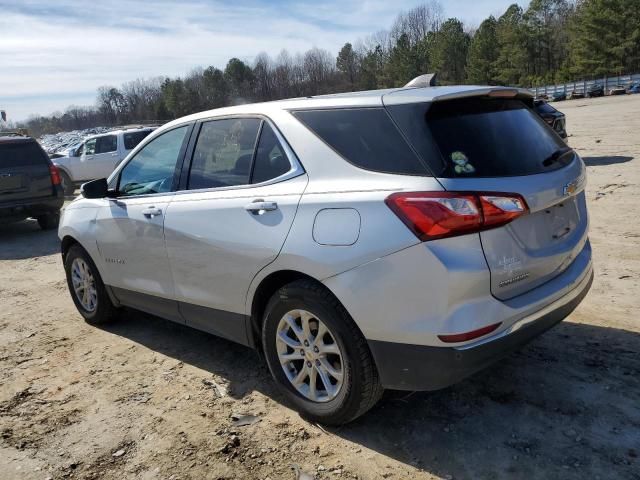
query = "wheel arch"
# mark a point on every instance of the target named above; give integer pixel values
(269, 285)
(66, 243)
(65, 170)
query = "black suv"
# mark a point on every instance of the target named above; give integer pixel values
(29, 183)
(551, 116)
(596, 90)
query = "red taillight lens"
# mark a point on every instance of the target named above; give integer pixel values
(433, 215)
(55, 175)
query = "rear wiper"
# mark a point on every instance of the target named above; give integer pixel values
(557, 155)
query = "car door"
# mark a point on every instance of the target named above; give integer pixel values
(81, 169)
(231, 219)
(129, 227)
(105, 157)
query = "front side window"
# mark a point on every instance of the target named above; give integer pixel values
(153, 168)
(106, 144)
(90, 147)
(223, 153)
(270, 161)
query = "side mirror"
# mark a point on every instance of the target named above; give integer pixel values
(95, 189)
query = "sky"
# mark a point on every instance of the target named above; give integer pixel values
(56, 53)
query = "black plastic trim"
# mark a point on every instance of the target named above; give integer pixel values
(232, 326)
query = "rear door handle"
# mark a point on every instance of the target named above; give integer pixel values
(258, 207)
(151, 212)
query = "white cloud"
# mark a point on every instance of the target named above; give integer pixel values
(53, 54)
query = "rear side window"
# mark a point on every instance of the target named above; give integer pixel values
(365, 137)
(132, 139)
(271, 161)
(21, 154)
(480, 137)
(223, 153)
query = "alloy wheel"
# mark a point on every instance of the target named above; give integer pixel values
(310, 356)
(84, 285)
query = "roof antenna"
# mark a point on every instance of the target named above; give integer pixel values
(423, 81)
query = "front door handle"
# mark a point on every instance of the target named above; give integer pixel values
(258, 207)
(151, 212)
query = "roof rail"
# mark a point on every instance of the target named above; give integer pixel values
(423, 81)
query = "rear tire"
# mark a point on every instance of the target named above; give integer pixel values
(49, 221)
(355, 388)
(86, 287)
(67, 185)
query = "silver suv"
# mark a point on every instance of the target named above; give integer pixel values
(398, 239)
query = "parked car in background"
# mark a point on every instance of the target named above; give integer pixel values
(634, 88)
(575, 94)
(29, 183)
(618, 90)
(97, 156)
(361, 241)
(559, 96)
(595, 90)
(551, 116)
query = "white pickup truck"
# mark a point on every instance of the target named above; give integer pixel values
(97, 156)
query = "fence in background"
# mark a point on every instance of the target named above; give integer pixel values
(583, 86)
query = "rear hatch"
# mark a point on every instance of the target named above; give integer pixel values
(24, 171)
(496, 144)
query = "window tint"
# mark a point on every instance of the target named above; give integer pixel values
(365, 137)
(479, 137)
(106, 144)
(223, 153)
(90, 147)
(544, 107)
(20, 154)
(270, 161)
(153, 168)
(132, 139)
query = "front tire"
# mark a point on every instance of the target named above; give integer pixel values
(317, 355)
(86, 287)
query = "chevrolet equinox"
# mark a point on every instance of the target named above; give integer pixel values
(399, 239)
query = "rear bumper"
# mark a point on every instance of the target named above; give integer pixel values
(418, 367)
(32, 207)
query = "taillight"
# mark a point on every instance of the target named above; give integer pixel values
(433, 215)
(55, 175)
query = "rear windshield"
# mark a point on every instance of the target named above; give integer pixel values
(365, 137)
(544, 107)
(21, 154)
(480, 137)
(131, 140)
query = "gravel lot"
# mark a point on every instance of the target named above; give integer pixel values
(145, 398)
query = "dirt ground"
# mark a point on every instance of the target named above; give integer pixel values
(145, 398)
